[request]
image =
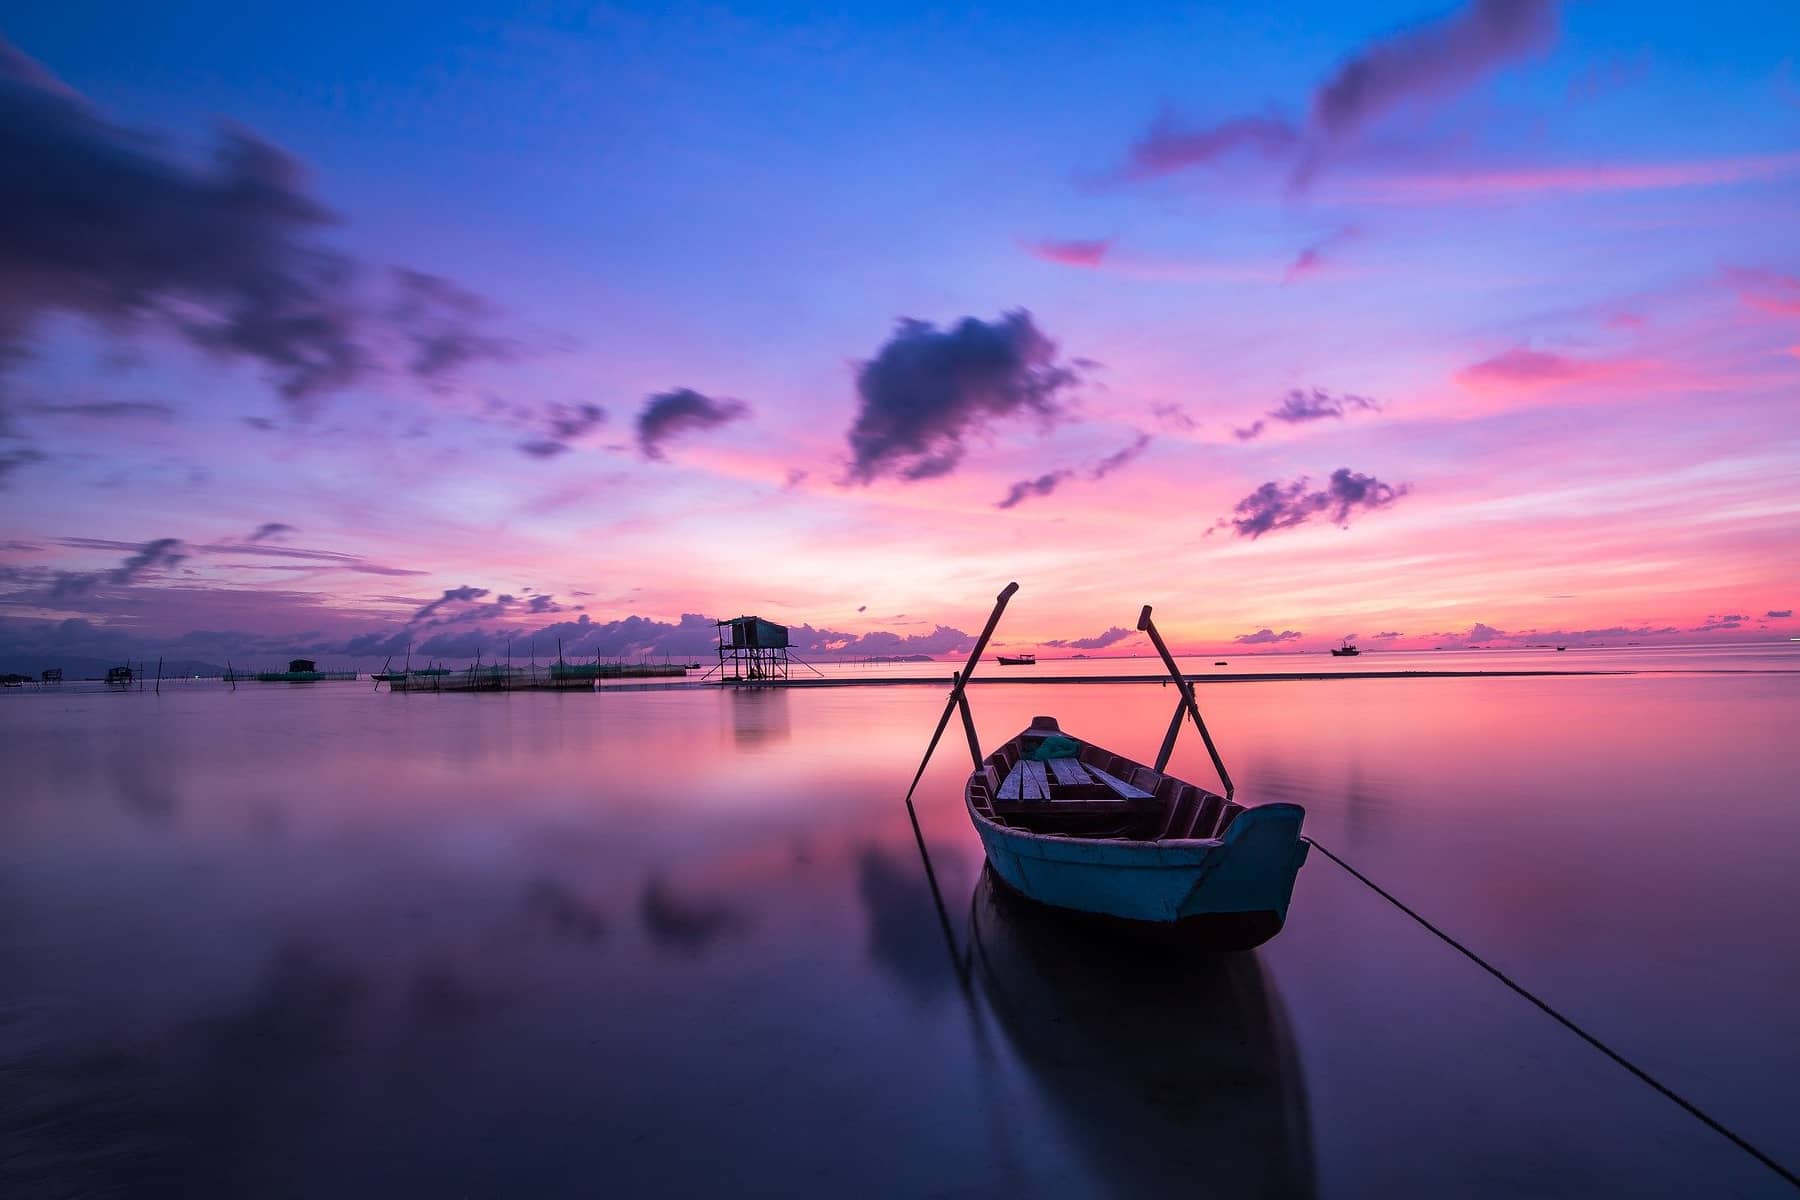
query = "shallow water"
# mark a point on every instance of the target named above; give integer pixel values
(324, 941)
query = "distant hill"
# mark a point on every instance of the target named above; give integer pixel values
(75, 667)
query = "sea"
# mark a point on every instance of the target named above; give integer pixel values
(680, 940)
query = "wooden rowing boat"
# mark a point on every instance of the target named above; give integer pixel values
(1077, 827)
(1098, 833)
(1016, 660)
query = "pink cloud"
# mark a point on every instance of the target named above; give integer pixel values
(1314, 258)
(1505, 183)
(1523, 368)
(1075, 253)
(1767, 291)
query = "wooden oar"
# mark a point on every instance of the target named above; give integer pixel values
(956, 690)
(1186, 704)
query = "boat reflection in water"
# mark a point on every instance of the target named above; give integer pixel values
(1172, 1069)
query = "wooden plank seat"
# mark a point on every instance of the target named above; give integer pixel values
(1129, 791)
(1069, 772)
(1026, 781)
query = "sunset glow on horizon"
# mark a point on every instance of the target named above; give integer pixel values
(1472, 325)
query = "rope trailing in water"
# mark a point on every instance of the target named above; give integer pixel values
(1692, 1109)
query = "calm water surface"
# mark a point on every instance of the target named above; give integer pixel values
(319, 941)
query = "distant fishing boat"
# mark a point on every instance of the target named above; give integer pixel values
(1074, 826)
(1016, 660)
(1562, 647)
(1347, 650)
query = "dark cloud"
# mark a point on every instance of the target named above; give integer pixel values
(1043, 485)
(1388, 636)
(1435, 59)
(927, 388)
(443, 325)
(1315, 404)
(269, 530)
(1727, 621)
(1168, 146)
(107, 410)
(452, 597)
(669, 414)
(151, 557)
(1778, 614)
(1048, 482)
(1119, 458)
(1266, 637)
(1285, 505)
(1480, 632)
(1298, 407)
(254, 548)
(15, 458)
(1173, 416)
(99, 221)
(566, 424)
(1097, 642)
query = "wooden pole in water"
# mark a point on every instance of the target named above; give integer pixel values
(1186, 703)
(159, 675)
(961, 680)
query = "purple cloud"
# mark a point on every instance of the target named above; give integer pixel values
(1778, 614)
(1043, 485)
(1168, 147)
(12, 460)
(567, 424)
(1119, 458)
(151, 557)
(1284, 506)
(443, 325)
(1434, 59)
(1173, 416)
(1266, 637)
(101, 222)
(452, 597)
(927, 388)
(1098, 642)
(268, 530)
(1300, 407)
(670, 414)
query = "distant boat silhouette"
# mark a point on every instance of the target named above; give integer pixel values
(1016, 660)
(1562, 647)
(1347, 650)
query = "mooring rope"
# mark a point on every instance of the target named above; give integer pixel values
(1692, 1109)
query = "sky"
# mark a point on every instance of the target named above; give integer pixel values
(339, 329)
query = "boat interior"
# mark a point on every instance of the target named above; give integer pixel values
(1094, 794)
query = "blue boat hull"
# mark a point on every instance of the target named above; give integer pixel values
(1231, 891)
